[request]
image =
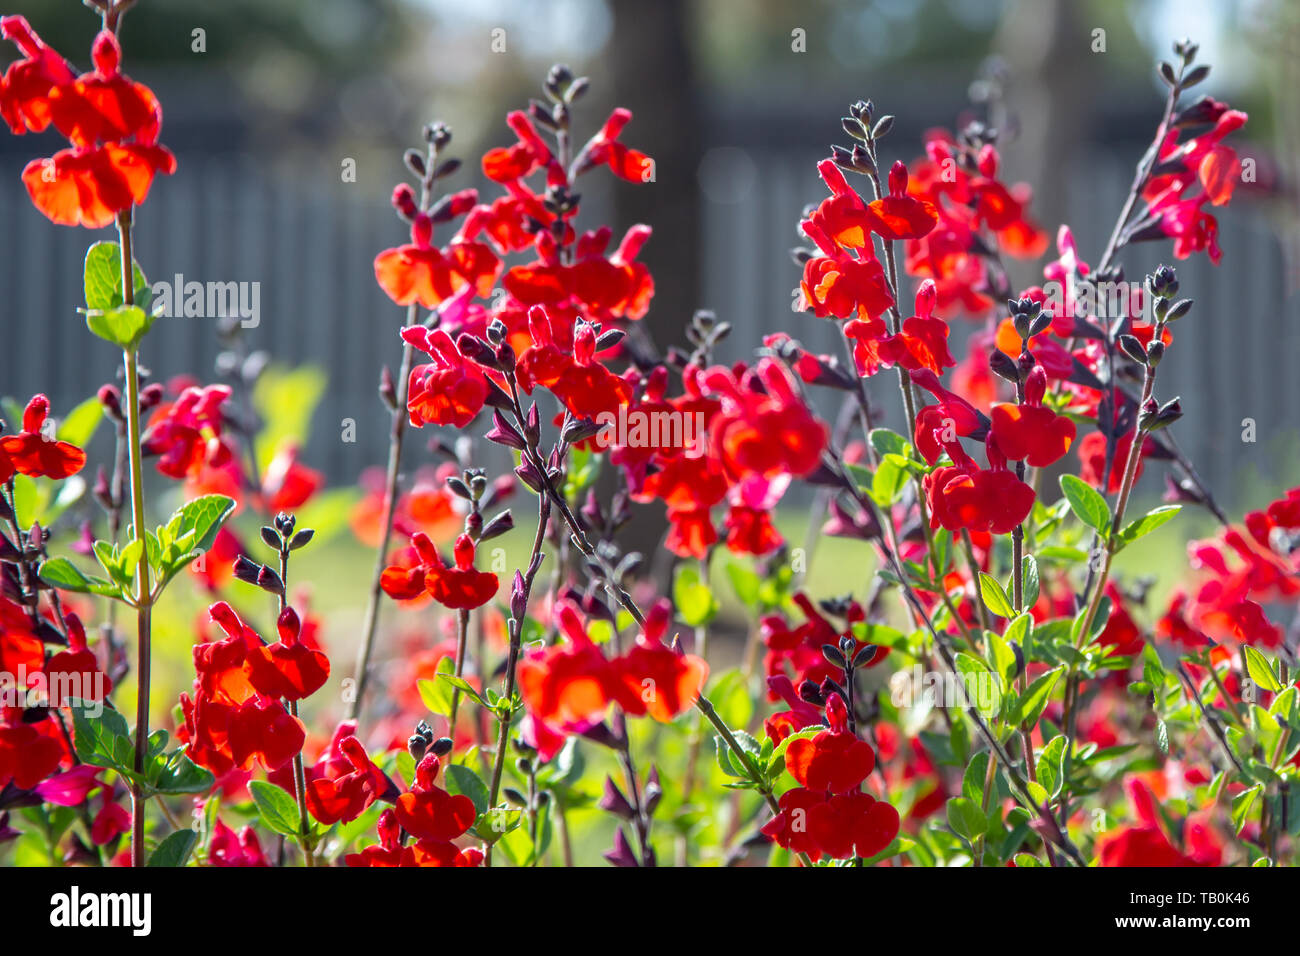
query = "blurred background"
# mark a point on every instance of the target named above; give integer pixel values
(267, 101)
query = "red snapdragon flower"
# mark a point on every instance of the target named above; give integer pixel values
(288, 668)
(390, 852)
(111, 123)
(428, 812)
(900, 216)
(1029, 432)
(764, 427)
(655, 679)
(451, 389)
(460, 586)
(835, 759)
(963, 495)
(421, 272)
(187, 434)
(343, 782)
(228, 848)
(31, 452)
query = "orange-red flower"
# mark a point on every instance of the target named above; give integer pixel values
(33, 453)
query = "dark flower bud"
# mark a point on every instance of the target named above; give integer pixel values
(503, 433)
(247, 570)
(111, 399)
(1132, 348)
(284, 523)
(458, 487)
(417, 745)
(505, 357)
(530, 476)
(518, 598)
(533, 425)
(810, 693)
(415, 162)
(476, 350)
(269, 581)
(1163, 282)
(437, 134)
(499, 525)
(150, 396)
(496, 331)
(579, 430)
(441, 747)
(1003, 365)
(613, 801)
(609, 338)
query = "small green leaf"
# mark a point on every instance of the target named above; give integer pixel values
(66, 576)
(1087, 503)
(1148, 522)
(1030, 704)
(175, 850)
(103, 276)
(1261, 672)
(124, 325)
(696, 605)
(995, 598)
(278, 810)
(1241, 806)
(966, 818)
(102, 737)
(1029, 580)
(1050, 765)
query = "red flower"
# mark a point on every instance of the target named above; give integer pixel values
(944, 422)
(965, 496)
(505, 164)
(27, 84)
(27, 756)
(1029, 432)
(835, 759)
(228, 848)
(837, 826)
(763, 433)
(420, 272)
(31, 452)
(655, 679)
(451, 389)
(839, 286)
(76, 670)
(428, 812)
(389, 852)
(567, 685)
(111, 122)
(1092, 456)
(900, 216)
(461, 586)
(343, 782)
(604, 149)
(287, 668)
(187, 434)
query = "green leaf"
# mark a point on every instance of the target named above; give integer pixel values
(277, 809)
(1087, 503)
(995, 598)
(176, 773)
(1051, 773)
(124, 325)
(888, 442)
(745, 582)
(966, 818)
(696, 605)
(465, 686)
(1261, 672)
(888, 481)
(464, 781)
(175, 850)
(1241, 806)
(203, 518)
(1148, 523)
(1030, 704)
(1029, 580)
(103, 276)
(981, 684)
(1162, 736)
(102, 738)
(437, 694)
(66, 576)
(972, 781)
